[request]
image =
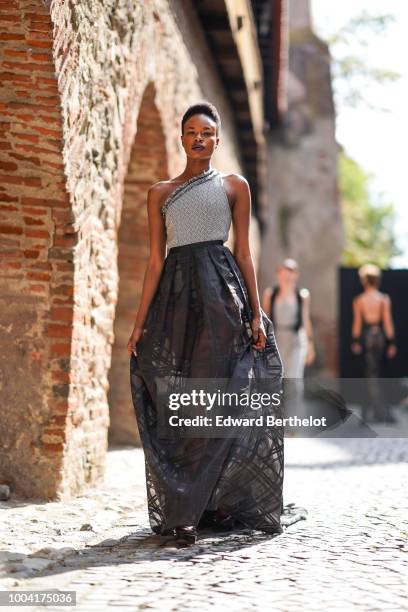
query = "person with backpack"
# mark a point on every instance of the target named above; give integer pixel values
(288, 307)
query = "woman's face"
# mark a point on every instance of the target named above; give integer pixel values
(199, 137)
(287, 276)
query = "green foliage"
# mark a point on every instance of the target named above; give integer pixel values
(369, 221)
(368, 224)
(360, 26)
(352, 74)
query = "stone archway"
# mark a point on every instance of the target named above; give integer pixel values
(147, 165)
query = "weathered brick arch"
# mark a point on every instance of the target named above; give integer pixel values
(37, 238)
(147, 165)
(73, 79)
(70, 110)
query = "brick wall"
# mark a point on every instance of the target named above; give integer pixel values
(72, 84)
(147, 165)
(37, 238)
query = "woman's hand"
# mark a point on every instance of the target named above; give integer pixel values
(258, 334)
(137, 333)
(391, 351)
(356, 348)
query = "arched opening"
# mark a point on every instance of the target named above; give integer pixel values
(147, 165)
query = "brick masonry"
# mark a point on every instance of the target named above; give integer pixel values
(37, 240)
(91, 97)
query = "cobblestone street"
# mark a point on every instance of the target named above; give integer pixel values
(203, 229)
(349, 554)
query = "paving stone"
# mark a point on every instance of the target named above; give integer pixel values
(349, 554)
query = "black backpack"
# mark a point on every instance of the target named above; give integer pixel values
(299, 318)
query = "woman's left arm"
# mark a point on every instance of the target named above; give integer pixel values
(389, 327)
(241, 216)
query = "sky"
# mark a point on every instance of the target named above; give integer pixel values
(378, 141)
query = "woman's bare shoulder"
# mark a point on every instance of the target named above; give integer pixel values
(162, 189)
(385, 297)
(236, 180)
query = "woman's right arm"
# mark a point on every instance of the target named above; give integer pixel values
(157, 239)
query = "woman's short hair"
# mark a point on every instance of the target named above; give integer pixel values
(289, 264)
(371, 274)
(202, 108)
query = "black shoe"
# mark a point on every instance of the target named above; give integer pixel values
(158, 530)
(186, 536)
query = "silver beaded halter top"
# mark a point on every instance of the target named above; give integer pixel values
(197, 210)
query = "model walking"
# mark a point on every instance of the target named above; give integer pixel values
(200, 317)
(288, 306)
(373, 338)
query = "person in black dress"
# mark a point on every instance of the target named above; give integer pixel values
(200, 317)
(373, 337)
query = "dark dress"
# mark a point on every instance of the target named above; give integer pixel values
(374, 343)
(198, 326)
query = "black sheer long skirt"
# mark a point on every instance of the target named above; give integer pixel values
(198, 326)
(374, 345)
